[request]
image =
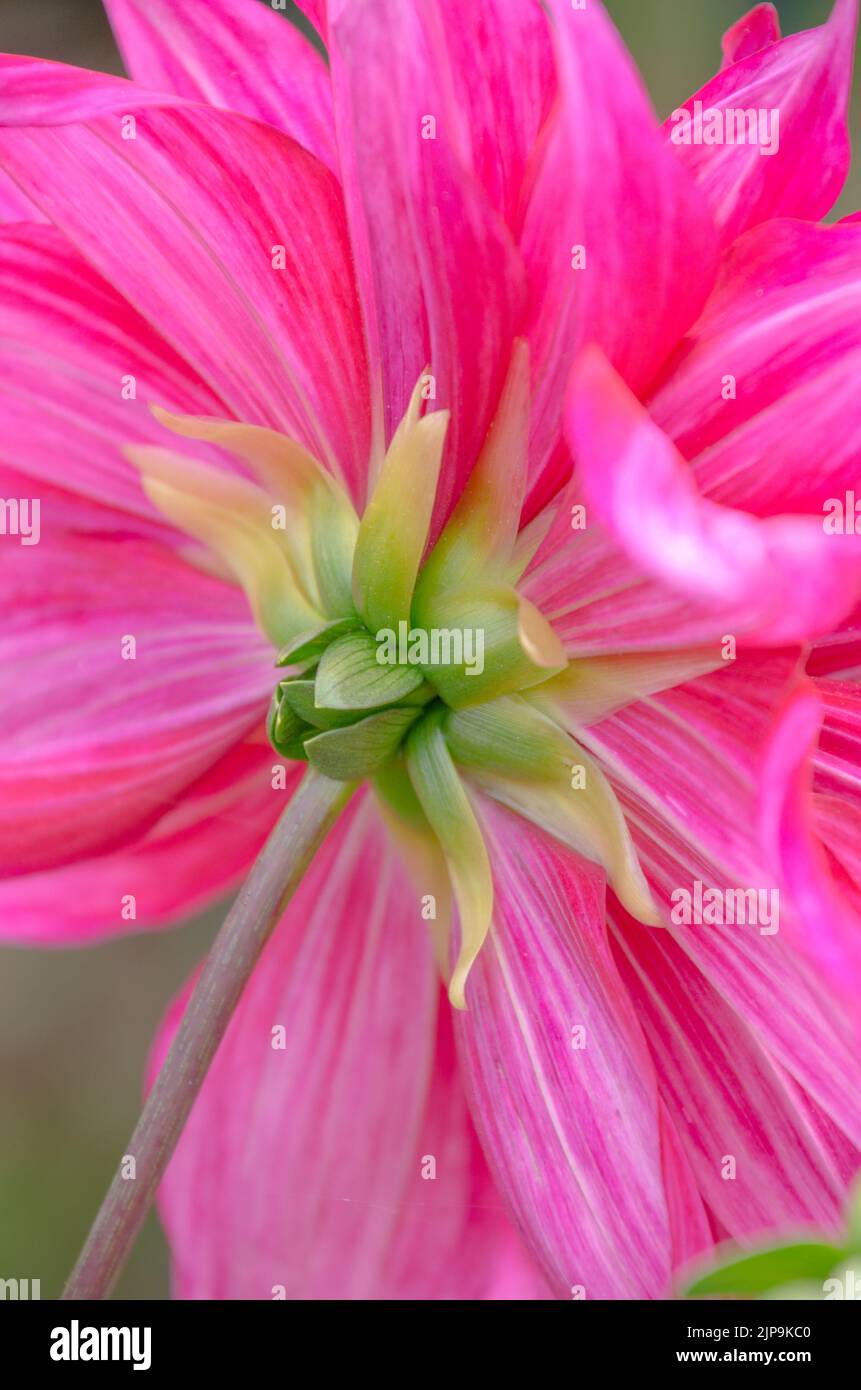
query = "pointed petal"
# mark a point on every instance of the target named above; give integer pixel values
(234, 54)
(394, 529)
(320, 525)
(806, 79)
(234, 519)
(521, 758)
(480, 535)
(756, 30)
(451, 816)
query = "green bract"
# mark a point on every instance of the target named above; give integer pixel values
(421, 667)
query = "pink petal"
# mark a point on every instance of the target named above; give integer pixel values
(686, 766)
(830, 932)
(315, 10)
(777, 580)
(301, 1166)
(232, 53)
(839, 653)
(725, 1096)
(195, 853)
(440, 278)
(96, 746)
(499, 61)
(15, 206)
(838, 756)
(690, 1230)
(71, 351)
(600, 602)
(184, 221)
(783, 323)
(572, 1133)
(756, 30)
(603, 181)
(807, 79)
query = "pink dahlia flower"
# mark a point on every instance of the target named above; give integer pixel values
(448, 342)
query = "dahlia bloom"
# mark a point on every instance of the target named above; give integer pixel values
(448, 336)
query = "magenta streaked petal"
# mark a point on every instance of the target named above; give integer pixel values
(838, 756)
(301, 1166)
(830, 932)
(441, 281)
(582, 1182)
(194, 854)
(231, 53)
(686, 767)
(725, 1096)
(756, 30)
(78, 366)
(15, 206)
(690, 1229)
(97, 744)
(783, 331)
(600, 601)
(807, 79)
(249, 258)
(603, 152)
(316, 12)
(777, 580)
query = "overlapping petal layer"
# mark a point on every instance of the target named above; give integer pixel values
(115, 698)
(148, 214)
(330, 1154)
(600, 154)
(231, 54)
(806, 79)
(570, 1121)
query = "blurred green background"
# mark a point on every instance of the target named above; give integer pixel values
(75, 1026)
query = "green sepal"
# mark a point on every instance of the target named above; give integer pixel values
(398, 793)
(334, 528)
(508, 736)
(350, 676)
(394, 529)
(765, 1269)
(287, 731)
(360, 749)
(300, 696)
(524, 760)
(448, 809)
(494, 611)
(310, 645)
(481, 532)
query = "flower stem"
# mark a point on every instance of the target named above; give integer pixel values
(271, 883)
